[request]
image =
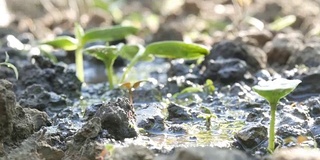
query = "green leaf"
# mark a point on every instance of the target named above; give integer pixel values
(101, 4)
(130, 51)
(283, 22)
(103, 53)
(9, 65)
(108, 34)
(188, 90)
(176, 49)
(78, 31)
(209, 87)
(274, 90)
(63, 42)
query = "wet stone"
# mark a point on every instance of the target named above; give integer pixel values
(253, 56)
(151, 118)
(313, 104)
(52, 77)
(309, 56)
(89, 130)
(17, 123)
(287, 130)
(178, 112)
(205, 153)
(118, 117)
(132, 152)
(225, 70)
(35, 96)
(281, 48)
(307, 88)
(252, 136)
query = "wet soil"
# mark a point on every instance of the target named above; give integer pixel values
(49, 114)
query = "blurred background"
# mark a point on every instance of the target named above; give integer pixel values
(203, 21)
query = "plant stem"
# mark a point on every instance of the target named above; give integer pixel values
(79, 64)
(109, 72)
(271, 144)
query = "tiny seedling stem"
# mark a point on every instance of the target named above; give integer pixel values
(109, 72)
(79, 64)
(271, 144)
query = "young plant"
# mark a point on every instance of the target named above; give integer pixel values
(130, 87)
(9, 65)
(81, 38)
(168, 49)
(207, 88)
(108, 54)
(273, 91)
(207, 115)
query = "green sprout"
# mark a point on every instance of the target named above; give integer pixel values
(207, 115)
(207, 88)
(137, 53)
(168, 49)
(130, 87)
(82, 38)
(9, 65)
(108, 54)
(273, 91)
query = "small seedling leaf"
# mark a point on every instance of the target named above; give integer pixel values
(103, 53)
(126, 85)
(176, 49)
(78, 31)
(283, 22)
(188, 90)
(108, 34)
(9, 65)
(137, 84)
(274, 90)
(205, 110)
(63, 42)
(209, 87)
(130, 51)
(101, 4)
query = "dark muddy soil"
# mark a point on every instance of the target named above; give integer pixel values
(49, 114)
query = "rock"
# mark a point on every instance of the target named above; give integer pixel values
(35, 148)
(35, 96)
(82, 144)
(309, 55)
(307, 88)
(296, 153)
(255, 37)
(118, 118)
(52, 77)
(205, 153)
(253, 56)
(225, 70)
(89, 130)
(151, 117)
(167, 32)
(252, 136)
(132, 152)
(281, 48)
(287, 130)
(313, 104)
(17, 123)
(178, 112)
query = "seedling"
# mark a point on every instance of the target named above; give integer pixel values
(168, 49)
(130, 87)
(9, 65)
(207, 115)
(108, 54)
(81, 38)
(273, 91)
(207, 88)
